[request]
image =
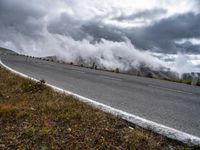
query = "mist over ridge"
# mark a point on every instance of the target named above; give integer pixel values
(160, 35)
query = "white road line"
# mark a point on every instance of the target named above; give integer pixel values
(77, 71)
(168, 89)
(147, 124)
(110, 78)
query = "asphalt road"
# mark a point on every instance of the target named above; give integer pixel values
(171, 104)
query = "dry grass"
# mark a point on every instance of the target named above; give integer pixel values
(32, 116)
(186, 82)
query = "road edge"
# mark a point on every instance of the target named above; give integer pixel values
(171, 133)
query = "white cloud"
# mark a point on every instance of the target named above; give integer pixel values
(194, 41)
(109, 9)
(105, 53)
(25, 25)
(181, 63)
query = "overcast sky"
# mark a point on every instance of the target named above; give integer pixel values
(136, 30)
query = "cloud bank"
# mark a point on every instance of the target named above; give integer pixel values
(116, 34)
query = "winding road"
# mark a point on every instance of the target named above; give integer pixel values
(171, 104)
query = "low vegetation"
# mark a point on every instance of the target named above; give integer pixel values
(33, 116)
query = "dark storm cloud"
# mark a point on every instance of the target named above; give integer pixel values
(189, 47)
(19, 10)
(19, 16)
(181, 26)
(159, 37)
(72, 29)
(67, 25)
(101, 31)
(163, 33)
(147, 14)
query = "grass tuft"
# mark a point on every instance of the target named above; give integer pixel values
(33, 87)
(7, 110)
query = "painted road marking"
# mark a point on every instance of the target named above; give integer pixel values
(77, 71)
(110, 78)
(168, 89)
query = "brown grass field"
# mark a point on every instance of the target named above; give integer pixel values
(33, 116)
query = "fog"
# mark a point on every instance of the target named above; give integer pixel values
(112, 34)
